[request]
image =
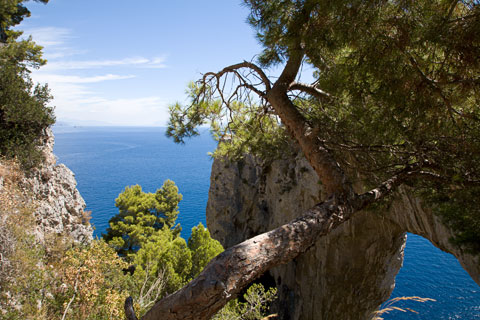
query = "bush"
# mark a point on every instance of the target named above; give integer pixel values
(255, 307)
(24, 114)
(56, 277)
(92, 283)
(145, 234)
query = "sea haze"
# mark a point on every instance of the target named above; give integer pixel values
(107, 159)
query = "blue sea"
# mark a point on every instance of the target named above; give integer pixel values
(107, 159)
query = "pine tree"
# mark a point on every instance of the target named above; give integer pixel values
(24, 113)
(395, 102)
(141, 215)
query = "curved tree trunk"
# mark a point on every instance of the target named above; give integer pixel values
(328, 170)
(231, 271)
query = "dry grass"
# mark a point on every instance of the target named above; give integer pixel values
(390, 306)
(10, 175)
(86, 217)
(13, 195)
(271, 317)
(4, 171)
(10, 170)
(13, 216)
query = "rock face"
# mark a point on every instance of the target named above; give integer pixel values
(348, 273)
(407, 212)
(59, 207)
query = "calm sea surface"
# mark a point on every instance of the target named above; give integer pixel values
(107, 159)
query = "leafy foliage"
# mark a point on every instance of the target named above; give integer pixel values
(20, 278)
(24, 114)
(60, 279)
(203, 249)
(163, 253)
(256, 305)
(251, 129)
(145, 234)
(12, 12)
(166, 258)
(460, 209)
(92, 282)
(54, 278)
(141, 215)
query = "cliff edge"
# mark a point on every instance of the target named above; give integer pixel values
(51, 190)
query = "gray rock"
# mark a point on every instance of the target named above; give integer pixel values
(408, 212)
(59, 207)
(348, 273)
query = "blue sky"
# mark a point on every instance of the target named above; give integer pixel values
(122, 62)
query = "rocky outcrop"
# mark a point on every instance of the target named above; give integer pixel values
(348, 273)
(407, 212)
(58, 206)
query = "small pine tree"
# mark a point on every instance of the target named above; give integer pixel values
(203, 249)
(141, 215)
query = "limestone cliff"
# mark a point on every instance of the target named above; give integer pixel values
(348, 273)
(58, 205)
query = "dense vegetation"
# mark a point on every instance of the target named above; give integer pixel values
(24, 113)
(142, 215)
(146, 235)
(143, 254)
(60, 279)
(394, 102)
(56, 277)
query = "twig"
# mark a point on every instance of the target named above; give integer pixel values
(129, 311)
(75, 288)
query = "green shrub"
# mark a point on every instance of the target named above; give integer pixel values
(256, 305)
(24, 114)
(145, 234)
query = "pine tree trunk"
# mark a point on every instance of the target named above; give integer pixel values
(231, 271)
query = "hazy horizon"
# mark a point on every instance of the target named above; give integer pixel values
(122, 63)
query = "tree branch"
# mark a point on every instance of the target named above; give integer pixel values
(75, 289)
(238, 66)
(129, 311)
(326, 167)
(310, 89)
(231, 271)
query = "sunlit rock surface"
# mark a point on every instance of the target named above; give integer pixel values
(58, 205)
(348, 273)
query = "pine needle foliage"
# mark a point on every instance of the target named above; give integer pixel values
(396, 84)
(24, 110)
